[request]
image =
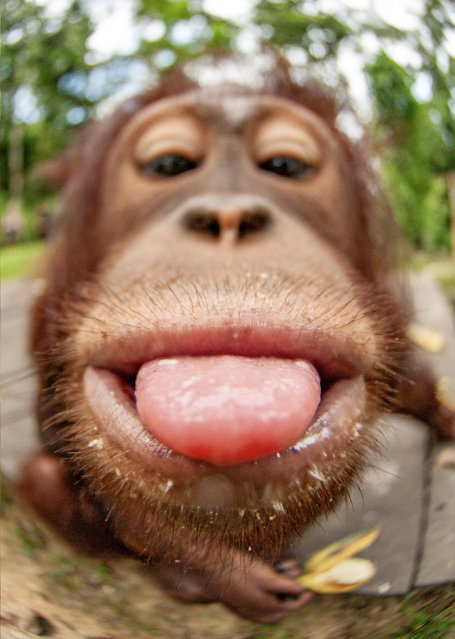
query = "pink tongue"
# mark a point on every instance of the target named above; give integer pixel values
(227, 409)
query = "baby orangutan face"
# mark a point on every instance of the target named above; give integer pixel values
(217, 336)
(225, 363)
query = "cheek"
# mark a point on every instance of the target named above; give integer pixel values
(336, 203)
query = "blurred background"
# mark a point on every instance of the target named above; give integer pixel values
(67, 61)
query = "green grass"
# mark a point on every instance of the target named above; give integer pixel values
(423, 623)
(19, 260)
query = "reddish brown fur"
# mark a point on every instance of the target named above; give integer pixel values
(101, 281)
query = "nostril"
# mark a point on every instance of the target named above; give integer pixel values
(230, 223)
(204, 224)
(253, 223)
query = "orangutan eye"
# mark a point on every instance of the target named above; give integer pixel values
(286, 166)
(168, 165)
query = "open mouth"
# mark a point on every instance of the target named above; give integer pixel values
(127, 384)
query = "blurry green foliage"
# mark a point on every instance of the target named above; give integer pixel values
(177, 16)
(292, 26)
(37, 53)
(417, 151)
(48, 67)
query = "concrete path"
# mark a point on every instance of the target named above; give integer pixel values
(409, 492)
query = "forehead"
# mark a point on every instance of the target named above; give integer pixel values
(227, 109)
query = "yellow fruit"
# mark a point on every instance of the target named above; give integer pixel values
(334, 570)
(334, 553)
(345, 576)
(427, 338)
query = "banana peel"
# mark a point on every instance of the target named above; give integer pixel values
(344, 577)
(334, 569)
(444, 394)
(426, 338)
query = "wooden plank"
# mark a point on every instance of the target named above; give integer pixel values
(390, 497)
(437, 563)
(19, 439)
(16, 299)
(416, 511)
(18, 433)
(18, 395)
(438, 556)
(433, 310)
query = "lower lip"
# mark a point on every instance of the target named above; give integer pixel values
(337, 421)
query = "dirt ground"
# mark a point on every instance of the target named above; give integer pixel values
(48, 590)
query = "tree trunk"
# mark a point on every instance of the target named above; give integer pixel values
(13, 222)
(450, 177)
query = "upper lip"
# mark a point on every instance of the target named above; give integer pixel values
(333, 357)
